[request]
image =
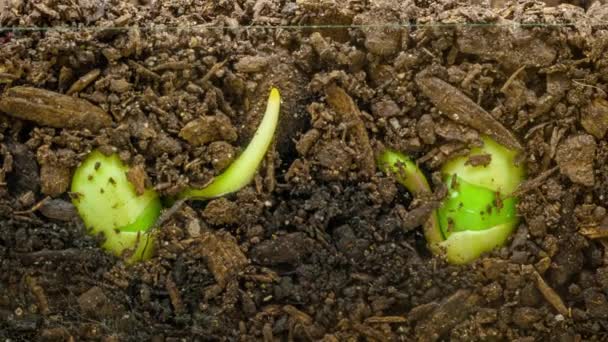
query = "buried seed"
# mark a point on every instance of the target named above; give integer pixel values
(479, 213)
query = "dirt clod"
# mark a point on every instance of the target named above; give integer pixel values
(575, 159)
(208, 129)
(525, 316)
(223, 255)
(92, 301)
(286, 249)
(594, 118)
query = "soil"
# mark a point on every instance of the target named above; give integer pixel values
(321, 246)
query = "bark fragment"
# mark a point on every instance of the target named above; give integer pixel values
(48, 108)
(460, 108)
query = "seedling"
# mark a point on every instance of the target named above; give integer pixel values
(478, 213)
(242, 170)
(108, 203)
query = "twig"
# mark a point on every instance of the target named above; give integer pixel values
(212, 71)
(589, 86)
(533, 183)
(551, 296)
(511, 78)
(34, 208)
(166, 215)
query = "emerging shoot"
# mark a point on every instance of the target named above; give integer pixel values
(478, 213)
(409, 175)
(243, 169)
(108, 203)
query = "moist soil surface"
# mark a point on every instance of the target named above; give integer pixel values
(321, 245)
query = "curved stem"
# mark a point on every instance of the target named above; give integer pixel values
(242, 170)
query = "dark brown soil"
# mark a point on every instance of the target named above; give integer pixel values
(321, 246)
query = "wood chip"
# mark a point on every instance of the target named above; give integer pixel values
(349, 114)
(143, 71)
(84, 81)
(534, 183)
(457, 106)
(551, 296)
(48, 108)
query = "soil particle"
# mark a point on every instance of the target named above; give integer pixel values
(221, 211)
(223, 256)
(452, 131)
(507, 44)
(596, 303)
(164, 144)
(93, 302)
(208, 129)
(54, 180)
(426, 129)
(137, 177)
(479, 160)
(526, 316)
(291, 249)
(385, 109)
(567, 262)
(221, 154)
(349, 114)
(382, 41)
(575, 158)
(58, 209)
(594, 118)
(307, 140)
(25, 175)
(334, 158)
(83, 81)
(52, 109)
(55, 171)
(252, 64)
(347, 243)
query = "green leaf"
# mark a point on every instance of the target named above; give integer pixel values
(108, 204)
(243, 169)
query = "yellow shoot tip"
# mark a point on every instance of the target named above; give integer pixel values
(275, 95)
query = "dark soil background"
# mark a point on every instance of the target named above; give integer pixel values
(321, 246)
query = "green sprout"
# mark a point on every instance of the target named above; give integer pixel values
(243, 169)
(479, 213)
(108, 203)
